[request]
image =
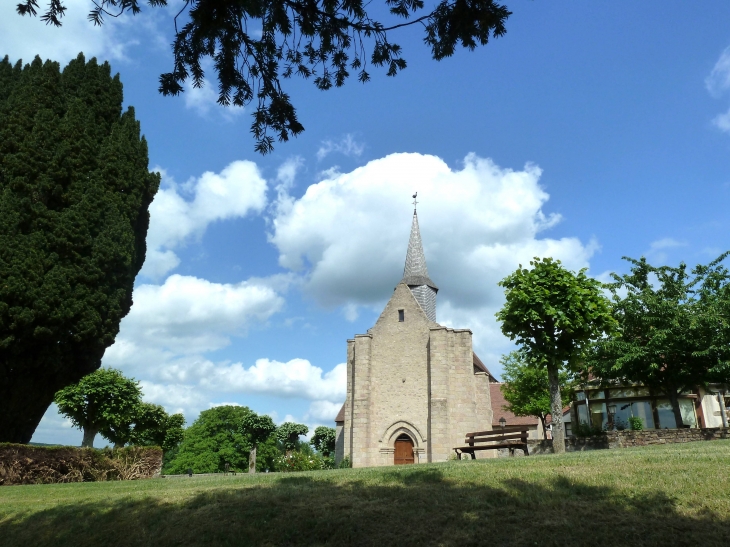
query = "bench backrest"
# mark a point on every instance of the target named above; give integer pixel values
(508, 433)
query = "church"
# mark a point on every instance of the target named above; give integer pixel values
(414, 387)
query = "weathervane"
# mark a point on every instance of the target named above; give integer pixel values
(414, 202)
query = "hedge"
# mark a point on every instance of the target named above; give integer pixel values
(25, 464)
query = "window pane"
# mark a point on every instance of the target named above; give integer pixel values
(598, 415)
(642, 409)
(596, 394)
(666, 416)
(621, 418)
(687, 408)
(582, 414)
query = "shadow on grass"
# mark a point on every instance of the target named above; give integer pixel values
(418, 507)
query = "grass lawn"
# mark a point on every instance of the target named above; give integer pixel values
(659, 495)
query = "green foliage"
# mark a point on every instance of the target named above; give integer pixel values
(345, 463)
(74, 196)
(103, 401)
(323, 440)
(587, 430)
(257, 428)
(215, 438)
(318, 39)
(153, 426)
(527, 389)
(554, 314)
(636, 423)
(288, 433)
(673, 329)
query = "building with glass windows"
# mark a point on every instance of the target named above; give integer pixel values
(610, 408)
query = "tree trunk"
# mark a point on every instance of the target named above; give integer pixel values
(675, 407)
(89, 434)
(556, 407)
(252, 461)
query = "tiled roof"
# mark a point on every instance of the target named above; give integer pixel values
(481, 366)
(498, 402)
(340, 415)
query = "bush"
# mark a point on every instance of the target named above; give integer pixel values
(587, 430)
(24, 464)
(301, 461)
(636, 423)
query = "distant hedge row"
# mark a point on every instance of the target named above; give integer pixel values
(24, 464)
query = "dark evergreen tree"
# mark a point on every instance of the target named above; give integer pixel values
(319, 39)
(74, 196)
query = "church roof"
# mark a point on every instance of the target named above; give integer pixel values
(482, 367)
(415, 272)
(340, 415)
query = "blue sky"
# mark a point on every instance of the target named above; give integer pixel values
(590, 131)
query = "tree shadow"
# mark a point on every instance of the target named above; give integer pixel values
(418, 507)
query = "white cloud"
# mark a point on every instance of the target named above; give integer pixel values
(347, 146)
(658, 250)
(187, 315)
(237, 191)
(295, 378)
(25, 37)
(722, 121)
(719, 79)
(347, 236)
(323, 411)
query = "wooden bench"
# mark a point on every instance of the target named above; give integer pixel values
(508, 437)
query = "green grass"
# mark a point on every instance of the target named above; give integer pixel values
(661, 495)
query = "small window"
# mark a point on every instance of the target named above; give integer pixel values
(401, 315)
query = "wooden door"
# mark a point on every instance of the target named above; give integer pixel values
(403, 450)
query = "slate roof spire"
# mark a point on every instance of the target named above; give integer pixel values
(415, 273)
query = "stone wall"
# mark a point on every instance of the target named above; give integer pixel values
(625, 439)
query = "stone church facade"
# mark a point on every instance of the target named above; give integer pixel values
(414, 387)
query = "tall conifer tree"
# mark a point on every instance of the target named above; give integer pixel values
(74, 196)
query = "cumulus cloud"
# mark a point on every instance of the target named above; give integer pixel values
(25, 37)
(188, 315)
(238, 190)
(347, 146)
(323, 412)
(347, 236)
(295, 378)
(204, 99)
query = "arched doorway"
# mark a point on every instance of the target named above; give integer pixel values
(403, 450)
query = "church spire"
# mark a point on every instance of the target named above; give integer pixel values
(415, 273)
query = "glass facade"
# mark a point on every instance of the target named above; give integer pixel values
(631, 402)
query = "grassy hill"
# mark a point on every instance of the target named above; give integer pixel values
(661, 495)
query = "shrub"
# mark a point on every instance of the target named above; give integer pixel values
(24, 464)
(301, 461)
(636, 423)
(587, 430)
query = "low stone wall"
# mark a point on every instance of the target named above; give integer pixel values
(625, 439)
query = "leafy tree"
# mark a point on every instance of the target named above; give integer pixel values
(288, 433)
(153, 426)
(318, 39)
(98, 402)
(554, 314)
(673, 329)
(323, 440)
(74, 196)
(527, 389)
(258, 429)
(214, 439)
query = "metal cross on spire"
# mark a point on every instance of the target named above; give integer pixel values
(414, 202)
